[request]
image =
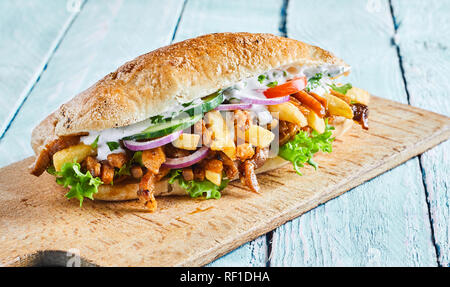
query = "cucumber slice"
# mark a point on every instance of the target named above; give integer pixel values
(208, 103)
(168, 126)
(165, 128)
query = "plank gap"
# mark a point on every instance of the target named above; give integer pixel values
(37, 76)
(269, 237)
(283, 28)
(283, 33)
(397, 48)
(427, 200)
(422, 170)
(178, 21)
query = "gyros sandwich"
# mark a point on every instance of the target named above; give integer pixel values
(189, 117)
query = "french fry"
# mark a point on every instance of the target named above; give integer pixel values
(76, 153)
(290, 113)
(341, 96)
(221, 145)
(358, 95)
(214, 177)
(216, 123)
(338, 107)
(213, 171)
(223, 139)
(315, 122)
(229, 148)
(259, 136)
(187, 141)
(230, 151)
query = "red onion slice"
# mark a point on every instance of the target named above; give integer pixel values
(137, 146)
(231, 107)
(187, 160)
(267, 102)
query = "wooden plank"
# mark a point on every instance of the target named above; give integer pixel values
(424, 48)
(360, 32)
(30, 32)
(342, 233)
(34, 216)
(205, 16)
(103, 37)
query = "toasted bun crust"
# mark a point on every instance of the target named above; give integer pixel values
(43, 133)
(128, 191)
(184, 71)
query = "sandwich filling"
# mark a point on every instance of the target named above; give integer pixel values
(201, 145)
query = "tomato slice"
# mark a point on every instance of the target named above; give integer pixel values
(291, 87)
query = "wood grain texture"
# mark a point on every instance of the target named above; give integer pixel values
(29, 31)
(368, 225)
(331, 235)
(206, 16)
(103, 37)
(424, 45)
(34, 216)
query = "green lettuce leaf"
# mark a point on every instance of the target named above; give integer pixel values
(126, 168)
(341, 89)
(198, 188)
(301, 149)
(137, 158)
(113, 145)
(81, 184)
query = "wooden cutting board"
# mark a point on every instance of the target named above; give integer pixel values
(38, 225)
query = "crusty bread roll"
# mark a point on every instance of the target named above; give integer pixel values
(184, 71)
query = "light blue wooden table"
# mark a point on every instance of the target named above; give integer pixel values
(399, 49)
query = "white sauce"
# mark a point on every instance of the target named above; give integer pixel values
(253, 88)
(250, 87)
(113, 135)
